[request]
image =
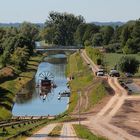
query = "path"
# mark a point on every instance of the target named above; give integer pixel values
(68, 132)
(100, 123)
(42, 134)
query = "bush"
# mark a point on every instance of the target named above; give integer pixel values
(112, 48)
(95, 55)
(128, 64)
(87, 43)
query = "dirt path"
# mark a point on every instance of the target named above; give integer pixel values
(68, 132)
(100, 123)
(42, 134)
(84, 99)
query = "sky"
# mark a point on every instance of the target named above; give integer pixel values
(37, 11)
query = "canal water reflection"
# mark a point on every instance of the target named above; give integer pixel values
(29, 102)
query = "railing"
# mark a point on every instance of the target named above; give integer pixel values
(60, 48)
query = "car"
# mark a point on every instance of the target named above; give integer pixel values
(100, 72)
(114, 73)
(127, 74)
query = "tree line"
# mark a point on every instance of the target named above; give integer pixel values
(67, 29)
(17, 44)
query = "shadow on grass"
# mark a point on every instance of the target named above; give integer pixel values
(33, 65)
(31, 69)
(8, 78)
(5, 101)
(3, 135)
(35, 61)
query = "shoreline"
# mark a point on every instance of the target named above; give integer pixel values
(13, 86)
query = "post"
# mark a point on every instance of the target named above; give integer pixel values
(79, 93)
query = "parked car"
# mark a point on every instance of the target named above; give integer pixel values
(128, 74)
(100, 72)
(114, 73)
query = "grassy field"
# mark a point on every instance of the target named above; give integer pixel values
(111, 59)
(82, 77)
(10, 87)
(84, 133)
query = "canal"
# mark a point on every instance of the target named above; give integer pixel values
(30, 103)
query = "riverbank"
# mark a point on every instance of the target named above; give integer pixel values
(9, 88)
(82, 76)
(94, 90)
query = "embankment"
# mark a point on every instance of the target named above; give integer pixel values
(12, 85)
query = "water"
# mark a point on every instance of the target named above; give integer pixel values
(31, 103)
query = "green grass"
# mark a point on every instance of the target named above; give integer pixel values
(56, 131)
(84, 133)
(95, 55)
(82, 77)
(9, 88)
(111, 59)
(18, 129)
(98, 92)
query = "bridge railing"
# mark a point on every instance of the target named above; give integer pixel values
(60, 47)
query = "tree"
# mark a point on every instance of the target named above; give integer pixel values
(31, 31)
(5, 58)
(97, 39)
(87, 43)
(48, 35)
(9, 44)
(22, 41)
(126, 33)
(78, 36)
(128, 64)
(20, 58)
(130, 47)
(90, 30)
(107, 34)
(136, 35)
(117, 34)
(63, 26)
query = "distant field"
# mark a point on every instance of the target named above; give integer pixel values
(112, 59)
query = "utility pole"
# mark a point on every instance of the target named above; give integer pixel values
(79, 94)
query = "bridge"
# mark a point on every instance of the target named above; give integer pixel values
(58, 48)
(55, 49)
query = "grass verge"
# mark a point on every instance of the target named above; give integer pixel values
(21, 129)
(56, 131)
(98, 92)
(84, 133)
(82, 77)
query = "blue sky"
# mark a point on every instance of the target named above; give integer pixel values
(92, 10)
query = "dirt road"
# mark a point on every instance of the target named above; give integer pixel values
(42, 134)
(68, 132)
(100, 123)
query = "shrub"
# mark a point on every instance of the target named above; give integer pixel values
(128, 64)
